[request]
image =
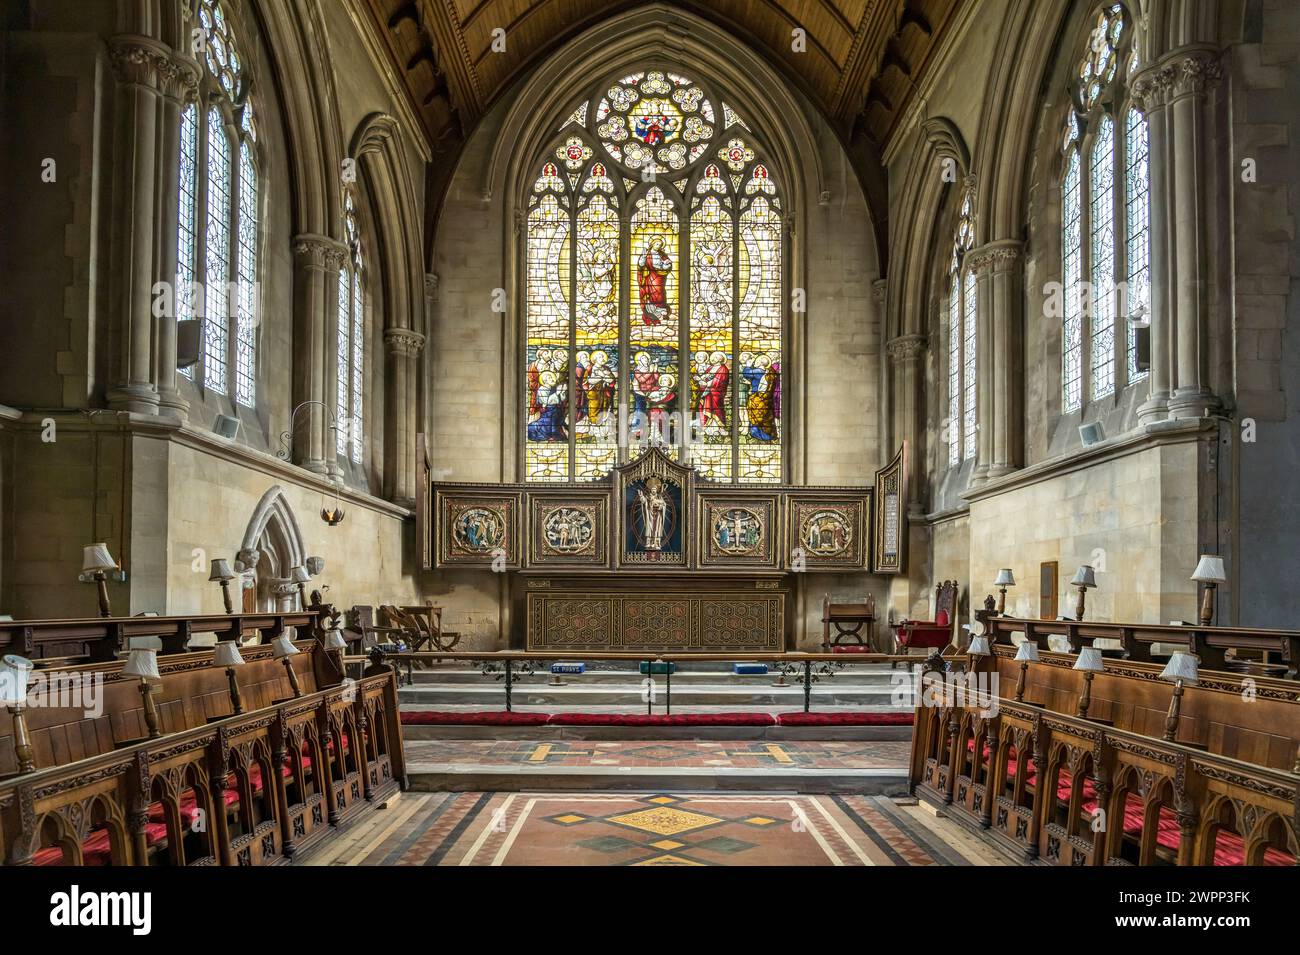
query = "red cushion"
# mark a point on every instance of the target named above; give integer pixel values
(845, 719)
(941, 619)
(641, 719)
(498, 718)
(852, 648)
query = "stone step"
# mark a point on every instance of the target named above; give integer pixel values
(605, 733)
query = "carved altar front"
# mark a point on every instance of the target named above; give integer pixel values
(657, 559)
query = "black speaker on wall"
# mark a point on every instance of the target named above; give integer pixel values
(189, 339)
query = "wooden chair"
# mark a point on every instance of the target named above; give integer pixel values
(848, 620)
(931, 634)
(428, 619)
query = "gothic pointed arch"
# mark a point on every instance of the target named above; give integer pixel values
(272, 532)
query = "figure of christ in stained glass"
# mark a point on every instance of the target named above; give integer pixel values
(711, 333)
(653, 335)
(547, 337)
(760, 342)
(595, 407)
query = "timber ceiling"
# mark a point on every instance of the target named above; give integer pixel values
(863, 61)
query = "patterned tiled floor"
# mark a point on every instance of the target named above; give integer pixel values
(652, 829)
(660, 754)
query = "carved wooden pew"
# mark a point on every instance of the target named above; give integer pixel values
(1110, 791)
(215, 788)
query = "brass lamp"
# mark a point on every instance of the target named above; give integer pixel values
(299, 576)
(142, 662)
(226, 654)
(1209, 571)
(1005, 579)
(1180, 669)
(1085, 579)
(1090, 663)
(282, 649)
(96, 560)
(14, 672)
(1025, 655)
(221, 572)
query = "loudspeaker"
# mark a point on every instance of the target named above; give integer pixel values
(1091, 433)
(1142, 347)
(226, 426)
(189, 340)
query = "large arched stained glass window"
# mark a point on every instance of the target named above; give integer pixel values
(962, 337)
(1105, 218)
(218, 210)
(655, 255)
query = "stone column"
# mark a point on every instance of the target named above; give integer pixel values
(884, 426)
(1193, 72)
(905, 358)
(403, 347)
(998, 372)
(1172, 92)
(179, 85)
(137, 62)
(316, 263)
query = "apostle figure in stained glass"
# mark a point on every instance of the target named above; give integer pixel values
(652, 282)
(598, 389)
(761, 402)
(712, 382)
(549, 423)
(655, 129)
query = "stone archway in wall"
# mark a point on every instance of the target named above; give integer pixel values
(272, 544)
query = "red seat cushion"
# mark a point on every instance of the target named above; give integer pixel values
(845, 719)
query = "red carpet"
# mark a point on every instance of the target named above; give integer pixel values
(502, 718)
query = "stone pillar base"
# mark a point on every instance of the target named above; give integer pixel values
(1194, 403)
(141, 399)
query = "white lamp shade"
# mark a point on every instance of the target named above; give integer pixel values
(1084, 577)
(1089, 659)
(1209, 570)
(979, 647)
(1181, 666)
(1005, 578)
(282, 647)
(334, 641)
(1028, 652)
(142, 663)
(14, 671)
(299, 574)
(221, 570)
(226, 654)
(96, 557)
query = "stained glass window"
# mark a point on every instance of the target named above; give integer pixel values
(350, 339)
(963, 338)
(1105, 220)
(654, 254)
(218, 204)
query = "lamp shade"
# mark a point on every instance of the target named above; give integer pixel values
(1028, 652)
(142, 663)
(1209, 570)
(1089, 659)
(14, 671)
(282, 647)
(299, 574)
(334, 641)
(96, 557)
(144, 643)
(226, 654)
(221, 570)
(1084, 577)
(1005, 578)
(1181, 666)
(979, 646)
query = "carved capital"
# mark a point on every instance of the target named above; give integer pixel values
(431, 285)
(997, 255)
(905, 347)
(403, 342)
(178, 79)
(319, 252)
(138, 60)
(878, 289)
(1182, 73)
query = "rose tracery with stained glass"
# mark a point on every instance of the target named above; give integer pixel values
(654, 261)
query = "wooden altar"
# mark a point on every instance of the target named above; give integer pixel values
(657, 559)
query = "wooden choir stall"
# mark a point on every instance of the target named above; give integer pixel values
(217, 756)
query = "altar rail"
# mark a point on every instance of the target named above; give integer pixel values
(103, 638)
(1210, 644)
(803, 662)
(252, 789)
(1060, 789)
